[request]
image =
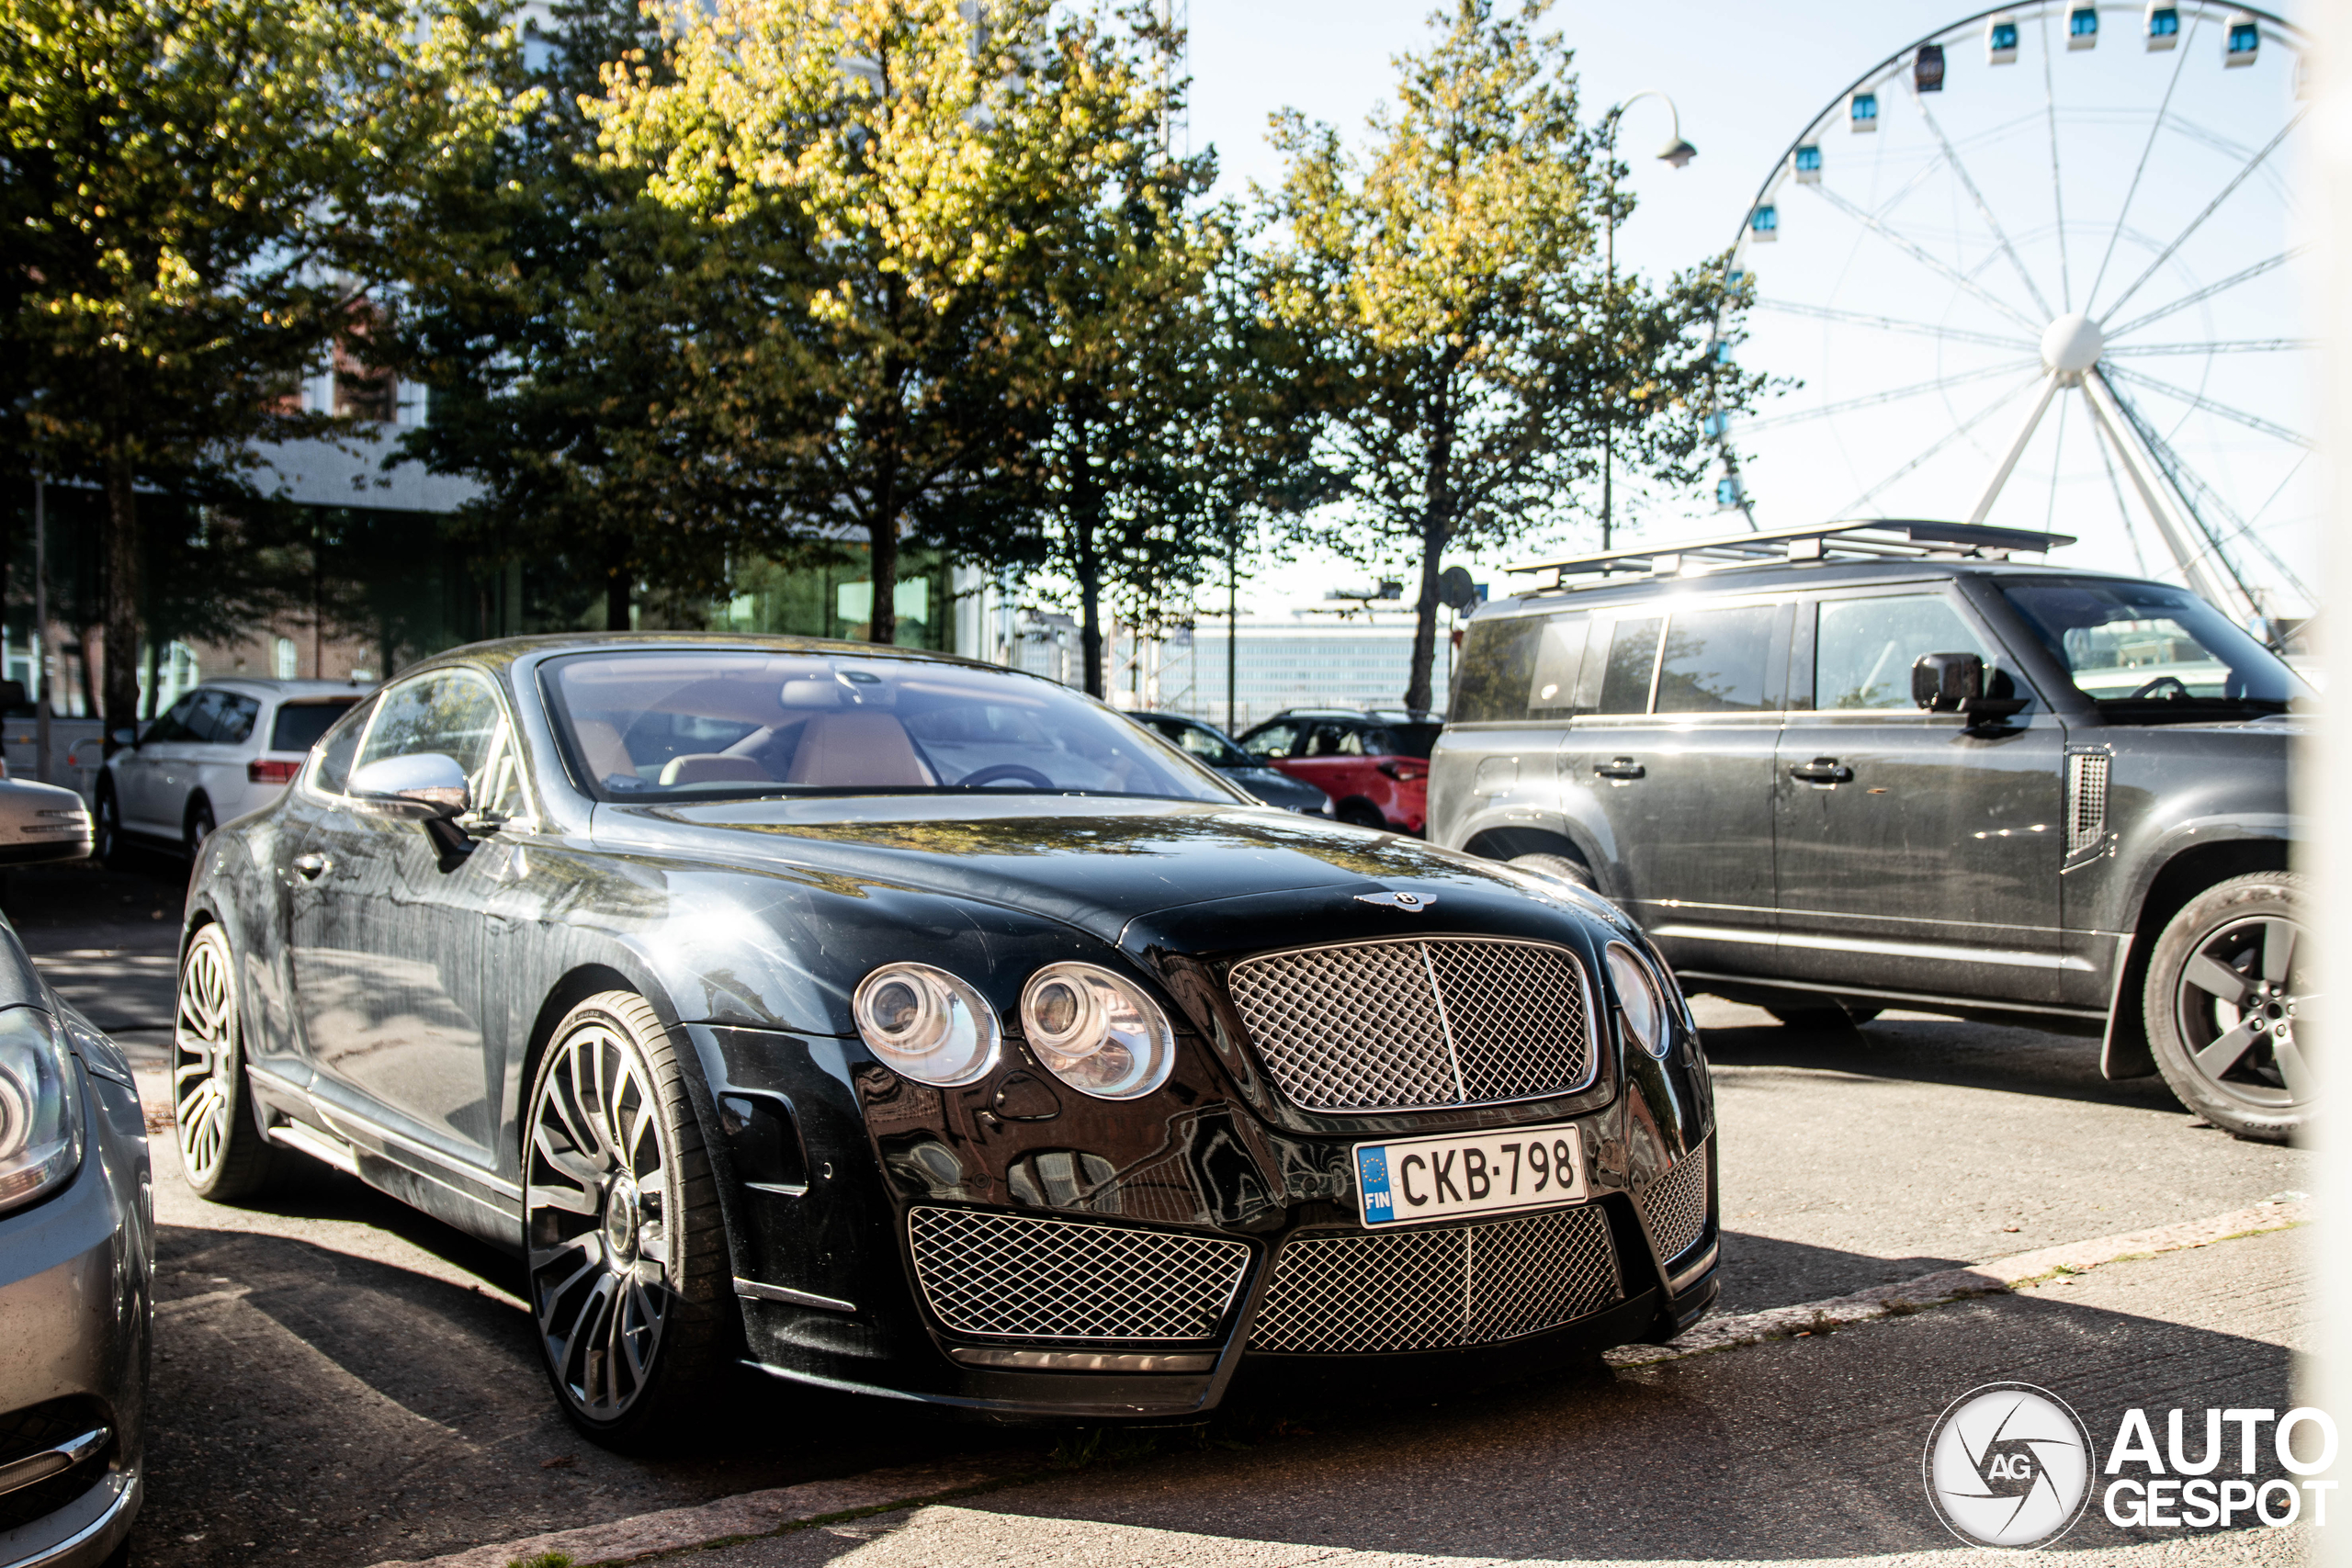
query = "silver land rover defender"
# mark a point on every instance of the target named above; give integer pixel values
(1882, 764)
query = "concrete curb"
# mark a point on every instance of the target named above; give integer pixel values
(748, 1514)
(765, 1513)
(1953, 1284)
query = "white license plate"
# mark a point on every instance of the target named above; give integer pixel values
(1446, 1177)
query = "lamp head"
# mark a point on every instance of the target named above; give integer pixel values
(1678, 153)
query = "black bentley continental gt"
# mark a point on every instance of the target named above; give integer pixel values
(905, 1024)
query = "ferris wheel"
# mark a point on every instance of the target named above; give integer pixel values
(2036, 270)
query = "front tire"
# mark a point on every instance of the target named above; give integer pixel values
(1362, 814)
(222, 1151)
(1559, 868)
(109, 850)
(2225, 983)
(630, 1284)
(197, 828)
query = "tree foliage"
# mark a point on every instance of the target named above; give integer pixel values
(1452, 280)
(190, 188)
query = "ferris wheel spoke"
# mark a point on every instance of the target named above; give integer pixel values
(1853, 507)
(2216, 345)
(2107, 461)
(2008, 463)
(2148, 147)
(2244, 274)
(1925, 257)
(2171, 491)
(2204, 405)
(1952, 156)
(1892, 394)
(1893, 325)
(2057, 187)
(2245, 172)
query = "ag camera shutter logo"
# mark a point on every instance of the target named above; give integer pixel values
(2008, 1465)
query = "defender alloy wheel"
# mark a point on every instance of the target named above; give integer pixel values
(629, 1281)
(222, 1151)
(2226, 982)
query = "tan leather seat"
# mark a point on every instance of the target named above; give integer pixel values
(601, 749)
(710, 767)
(846, 750)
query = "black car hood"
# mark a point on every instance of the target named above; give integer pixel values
(1095, 862)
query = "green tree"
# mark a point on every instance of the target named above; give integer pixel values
(598, 361)
(904, 135)
(1450, 279)
(191, 190)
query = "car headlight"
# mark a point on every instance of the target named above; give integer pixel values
(40, 1123)
(1096, 1032)
(1638, 998)
(926, 1023)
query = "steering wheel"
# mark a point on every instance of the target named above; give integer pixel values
(2179, 688)
(981, 777)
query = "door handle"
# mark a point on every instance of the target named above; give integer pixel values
(1619, 768)
(1823, 771)
(310, 867)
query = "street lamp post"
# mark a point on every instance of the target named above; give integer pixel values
(1675, 154)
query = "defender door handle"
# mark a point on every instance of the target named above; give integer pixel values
(1619, 768)
(1823, 771)
(310, 867)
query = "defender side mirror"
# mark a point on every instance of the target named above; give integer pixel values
(1954, 683)
(423, 786)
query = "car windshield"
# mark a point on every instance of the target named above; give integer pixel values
(1199, 741)
(2147, 652)
(659, 724)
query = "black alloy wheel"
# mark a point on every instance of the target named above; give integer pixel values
(630, 1284)
(2227, 1003)
(222, 1151)
(198, 827)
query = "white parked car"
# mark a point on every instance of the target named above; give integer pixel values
(227, 748)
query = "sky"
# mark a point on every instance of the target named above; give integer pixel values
(1746, 79)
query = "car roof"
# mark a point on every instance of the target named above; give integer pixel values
(1777, 576)
(265, 686)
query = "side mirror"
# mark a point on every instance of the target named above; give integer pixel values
(423, 784)
(1954, 683)
(1942, 683)
(123, 738)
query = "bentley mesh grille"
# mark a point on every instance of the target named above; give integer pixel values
(1427, 1290)
(1419, 1023)
(1008, 1274)
(2085, 800)
(1675, 1207)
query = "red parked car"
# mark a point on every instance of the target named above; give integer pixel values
(1374, 766)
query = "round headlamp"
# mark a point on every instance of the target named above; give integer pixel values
(41, 1124)
(926, 1024)
(1096, 1032)
(1639, 999)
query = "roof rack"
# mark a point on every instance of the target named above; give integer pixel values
(1858, 539)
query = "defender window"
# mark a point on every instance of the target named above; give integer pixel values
(2146, 653)
(1519, 669)
(1715, 660)
(1631, 662)
(1864, 649)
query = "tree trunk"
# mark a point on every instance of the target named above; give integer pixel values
(882, 623)
(154, 679)
(1437, 517)
(1086, 530)
(616, 596)
(122, 562)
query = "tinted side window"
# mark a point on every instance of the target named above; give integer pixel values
(1714, 660)
(173, 725)
(1559, 659)
(1625, 676)
(342, 744)
(1864, 647)
(449, 712)
(298, 725)
(1275, 742)
(235, 724)
(1491, 684)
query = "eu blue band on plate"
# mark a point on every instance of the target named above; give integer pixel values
(1371, 1171)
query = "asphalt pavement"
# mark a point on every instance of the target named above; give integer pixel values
(342, 1380)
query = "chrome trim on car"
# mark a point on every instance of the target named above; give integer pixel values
(17, 1475)
(324, 1147)
(1691, 1272)
(126, 1502)
(757, 1291)
(2009, 958)
(1082, 1360)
